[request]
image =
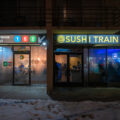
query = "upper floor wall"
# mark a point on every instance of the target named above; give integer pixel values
(22, 13)
(74, 13)
(86, 13)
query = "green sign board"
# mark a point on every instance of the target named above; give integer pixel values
(5, 63)
(33, 38)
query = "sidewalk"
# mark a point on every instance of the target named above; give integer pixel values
(82, 94)
(23, 92)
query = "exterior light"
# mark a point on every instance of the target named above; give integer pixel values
(44, 43)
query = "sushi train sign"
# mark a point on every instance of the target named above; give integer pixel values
(88, 39)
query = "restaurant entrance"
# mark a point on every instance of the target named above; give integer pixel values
(68, 68)
(93, 66)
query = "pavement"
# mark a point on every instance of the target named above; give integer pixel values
(59, 93)
(24, 92)
(83, 94)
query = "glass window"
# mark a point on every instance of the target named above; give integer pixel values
(60, 68)
(113, 65)
(6, 65)
(75, 65)
(38, 64)
(21, 73)
(97, 66)
(85, 65)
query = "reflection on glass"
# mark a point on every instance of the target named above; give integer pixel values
(38, 64)
(97, 65)
(113, 63)
(85, 65)
(6, 63)
(60, 68)
(75, 68)
(21, 69)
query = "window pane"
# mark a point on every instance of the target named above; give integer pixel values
(38, 64)
(97, 66)
(21, 72)
(6, 65)
(75, 68)
(113, 63)
(85, 65)
(60, 68)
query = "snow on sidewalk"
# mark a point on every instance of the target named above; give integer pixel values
(58, 110)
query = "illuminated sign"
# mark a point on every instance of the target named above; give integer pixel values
(5, 63)
(19, 39)
(80, 39)
(88, 39)
(33, 38)
(25, 38)
(103, 39)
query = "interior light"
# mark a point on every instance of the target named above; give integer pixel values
(38, 59)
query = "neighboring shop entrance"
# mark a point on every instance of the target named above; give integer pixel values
(68, 68)
(23, 58)
(22, 68)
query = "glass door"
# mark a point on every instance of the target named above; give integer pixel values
(76, 68)
(68, 68)
(21, 71)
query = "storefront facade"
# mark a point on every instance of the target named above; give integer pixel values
(87, 60)
(23, 57)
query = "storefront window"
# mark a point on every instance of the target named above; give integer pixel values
(113, 63)
(38, 64)
(97, 66)
(93, 67)
(6, 65)
(85, 54)
(60, 68)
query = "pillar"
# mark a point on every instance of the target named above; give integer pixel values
(50, 46)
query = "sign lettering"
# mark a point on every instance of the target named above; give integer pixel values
(88, 39)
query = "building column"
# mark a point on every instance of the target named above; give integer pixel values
(50, 46)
